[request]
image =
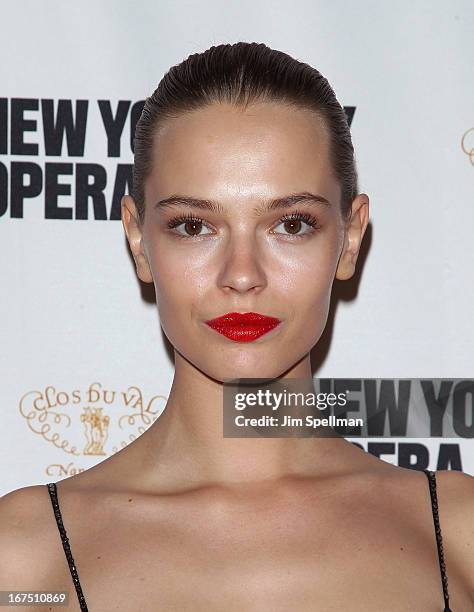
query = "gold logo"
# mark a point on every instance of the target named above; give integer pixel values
(91, 422)
(467, 144)
(96, 430)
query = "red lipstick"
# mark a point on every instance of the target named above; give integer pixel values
(243, 326)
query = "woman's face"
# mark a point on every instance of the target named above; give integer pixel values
(241, 256)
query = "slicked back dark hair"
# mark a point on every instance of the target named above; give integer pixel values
(240, 74)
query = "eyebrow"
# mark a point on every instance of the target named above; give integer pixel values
(265, 206)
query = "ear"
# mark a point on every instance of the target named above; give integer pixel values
(133, 230)
(354, 232)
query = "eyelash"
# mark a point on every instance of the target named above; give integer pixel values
(295, 216)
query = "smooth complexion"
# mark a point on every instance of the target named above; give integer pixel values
(183, 519)
(243, 259)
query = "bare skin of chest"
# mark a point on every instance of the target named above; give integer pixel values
(295, 549)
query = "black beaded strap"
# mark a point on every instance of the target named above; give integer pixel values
(439, 540)
(53, 494)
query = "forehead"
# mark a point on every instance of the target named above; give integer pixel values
(222, 151)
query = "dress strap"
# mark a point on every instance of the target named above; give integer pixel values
(439, 540)
(53, 494)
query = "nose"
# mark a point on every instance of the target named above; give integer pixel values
(241, 268)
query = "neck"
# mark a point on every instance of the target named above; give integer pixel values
(185, 446)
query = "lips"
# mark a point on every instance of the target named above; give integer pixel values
(243, 327)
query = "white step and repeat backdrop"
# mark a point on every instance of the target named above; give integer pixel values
(81, 344)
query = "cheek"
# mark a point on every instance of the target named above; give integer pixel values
(310, 299)
(306, 272)
(181, 282)
(304, 285)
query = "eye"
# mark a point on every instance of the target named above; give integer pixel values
(192, 226)
(295, 222)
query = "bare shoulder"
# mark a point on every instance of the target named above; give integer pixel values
(456, 482)
(406, 491)
(455, 492)
(21, 510)
(25, 536)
